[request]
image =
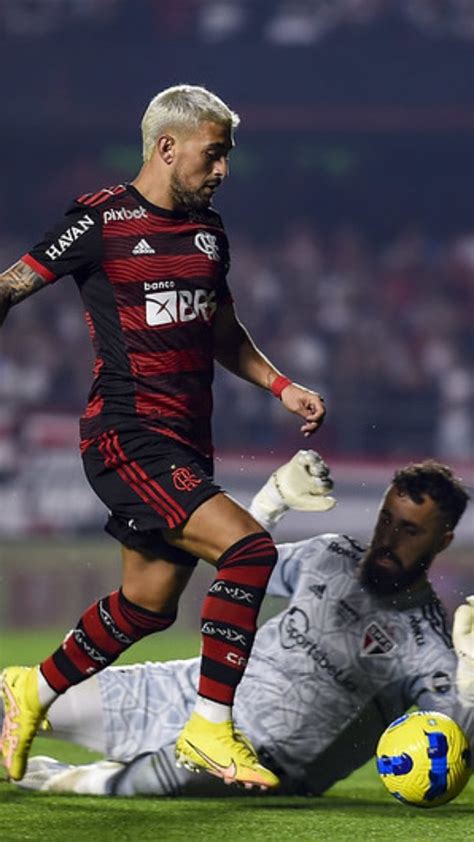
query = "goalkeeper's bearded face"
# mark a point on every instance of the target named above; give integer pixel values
(407, 537)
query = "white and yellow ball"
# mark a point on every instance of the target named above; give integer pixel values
(423, 759)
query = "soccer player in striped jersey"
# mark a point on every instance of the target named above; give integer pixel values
(362, 639)
(150, 259)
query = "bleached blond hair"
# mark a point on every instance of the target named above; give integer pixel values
(183, 107)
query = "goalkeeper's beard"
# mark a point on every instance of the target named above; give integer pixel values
(382, 581)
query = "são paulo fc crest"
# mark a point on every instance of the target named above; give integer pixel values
(376, 641)
(207, 243)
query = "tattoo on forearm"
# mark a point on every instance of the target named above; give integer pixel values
(17, 283)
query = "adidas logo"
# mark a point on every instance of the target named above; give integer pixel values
(318, 590)
(142, 247)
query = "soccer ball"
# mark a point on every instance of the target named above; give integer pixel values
(423, 758)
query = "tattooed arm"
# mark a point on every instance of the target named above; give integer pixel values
(17, 283)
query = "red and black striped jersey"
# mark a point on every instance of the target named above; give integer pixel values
(151, 281)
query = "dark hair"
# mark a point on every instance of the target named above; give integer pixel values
(438, 481)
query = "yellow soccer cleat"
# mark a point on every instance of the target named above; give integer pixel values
(222, 751)
(23, 716)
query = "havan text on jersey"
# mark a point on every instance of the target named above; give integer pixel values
(69, 236)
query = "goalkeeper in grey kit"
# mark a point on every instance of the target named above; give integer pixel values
(362, 639)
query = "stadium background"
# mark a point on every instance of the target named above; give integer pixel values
(350, 215)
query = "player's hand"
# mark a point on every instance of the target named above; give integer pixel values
(463, 639)
(304, 483)
(309, 405)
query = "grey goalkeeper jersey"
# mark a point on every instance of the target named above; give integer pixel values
(325, 677)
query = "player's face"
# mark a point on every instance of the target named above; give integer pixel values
(407, 537)
(201, 164)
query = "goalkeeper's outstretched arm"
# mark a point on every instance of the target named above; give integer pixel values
(303, 484)
(16, 283)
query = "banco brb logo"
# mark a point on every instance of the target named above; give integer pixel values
(184, 305)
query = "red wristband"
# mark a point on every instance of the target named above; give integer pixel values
(280, 382)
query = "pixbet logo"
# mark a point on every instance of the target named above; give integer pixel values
(185, 305)
(184, 479)
(207, 243)
(123, 214)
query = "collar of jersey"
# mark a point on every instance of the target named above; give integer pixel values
(173, 214)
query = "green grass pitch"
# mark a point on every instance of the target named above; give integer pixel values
(355, 809)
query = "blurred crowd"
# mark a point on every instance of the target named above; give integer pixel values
(281, 22)
(385, 333)
(382, 330)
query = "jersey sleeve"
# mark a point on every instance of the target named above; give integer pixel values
(224, 295)
(73, 244)
(291, 562)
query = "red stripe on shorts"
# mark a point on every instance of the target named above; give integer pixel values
(156, 491)
(150, 491)
(128, 478)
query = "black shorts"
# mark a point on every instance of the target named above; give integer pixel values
(149, 483)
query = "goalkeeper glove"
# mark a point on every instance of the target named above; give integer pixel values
(302, 484)
(463, 639)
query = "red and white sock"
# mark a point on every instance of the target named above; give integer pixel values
(106, 629)
(229, 618)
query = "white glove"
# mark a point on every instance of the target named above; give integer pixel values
(463, 639)
(302, 484)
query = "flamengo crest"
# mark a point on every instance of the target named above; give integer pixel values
(207, 243)
(184, 479)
